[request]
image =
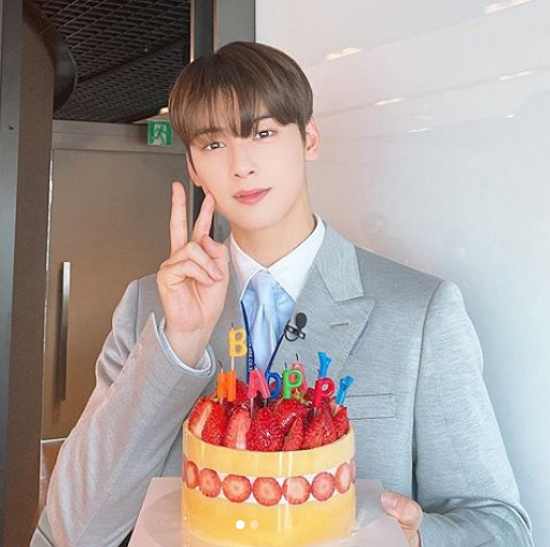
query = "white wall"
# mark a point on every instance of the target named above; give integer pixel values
(451, 177)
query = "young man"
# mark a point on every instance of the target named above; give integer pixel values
(423, 421)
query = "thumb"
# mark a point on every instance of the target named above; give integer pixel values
(405, 510)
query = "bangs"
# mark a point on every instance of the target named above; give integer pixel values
(218, 111)
(230, 89)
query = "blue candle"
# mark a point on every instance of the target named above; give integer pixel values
(345, 382)
(325, 361)
(276, 390)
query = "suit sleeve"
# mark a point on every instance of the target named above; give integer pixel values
(464, 481)
(124, 434)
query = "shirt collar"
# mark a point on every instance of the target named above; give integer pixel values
(290, 271)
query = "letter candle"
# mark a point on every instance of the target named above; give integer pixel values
(325, 361)
(227, 381)
(292, 378)
(256, 384)
(324, 386)
(297, 365)
(324, 389)
(345, 382)
(276, 377)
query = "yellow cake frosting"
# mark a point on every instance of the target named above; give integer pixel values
(326, 474)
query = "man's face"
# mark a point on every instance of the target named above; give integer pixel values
(273, 158)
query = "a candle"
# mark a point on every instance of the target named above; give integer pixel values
(276, 390)
(324, 361)
(299, 366)
(227, 385)
(324, 389)
(236, 342)
(345, 382)
(292, 378)
(257, 384)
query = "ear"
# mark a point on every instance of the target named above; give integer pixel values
(313, 140)
(191, 172)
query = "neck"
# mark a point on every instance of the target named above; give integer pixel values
(268, 245)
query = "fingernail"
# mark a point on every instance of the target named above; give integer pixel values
(389, 500)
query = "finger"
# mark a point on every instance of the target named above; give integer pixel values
(204, 220)
(196, 253)
(405, 510)
(172, 275)
(178, 218)
(215, 249)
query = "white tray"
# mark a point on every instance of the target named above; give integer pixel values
(159, 522)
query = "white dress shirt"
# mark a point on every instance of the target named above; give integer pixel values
(290, 272)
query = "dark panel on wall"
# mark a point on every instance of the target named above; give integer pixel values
(26, 106)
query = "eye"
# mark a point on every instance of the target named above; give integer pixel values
(265, 131)
(212, 143)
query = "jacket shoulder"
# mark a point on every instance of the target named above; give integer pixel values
(384, 277)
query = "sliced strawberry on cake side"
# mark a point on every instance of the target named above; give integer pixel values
(267, 491)
(236, 488)
(191, 474)
(209, 482)
(323, 486)
(343, 477)
(296, 490)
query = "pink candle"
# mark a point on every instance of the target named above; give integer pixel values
(257, 384)
(299, 366)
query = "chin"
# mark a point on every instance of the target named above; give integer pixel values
(254, 221)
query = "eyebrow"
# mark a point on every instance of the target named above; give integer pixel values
(220, 130)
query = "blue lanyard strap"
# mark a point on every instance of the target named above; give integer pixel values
(250, 355)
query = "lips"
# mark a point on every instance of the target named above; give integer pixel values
(250, 193)
(249, 197)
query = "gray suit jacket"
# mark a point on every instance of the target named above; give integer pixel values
(423, 420)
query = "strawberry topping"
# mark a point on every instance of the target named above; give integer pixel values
(265, 433)
(341, 422)
(295, 436)
(237, 428)
(214, 428)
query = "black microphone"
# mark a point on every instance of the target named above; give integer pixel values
(292, 332)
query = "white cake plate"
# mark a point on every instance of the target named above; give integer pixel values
(159, 522)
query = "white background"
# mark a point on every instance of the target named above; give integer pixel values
(450, 176)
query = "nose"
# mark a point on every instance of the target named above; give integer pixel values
(242, 163)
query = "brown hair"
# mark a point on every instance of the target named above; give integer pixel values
(233, 84)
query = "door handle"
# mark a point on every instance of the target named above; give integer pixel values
(61, 368)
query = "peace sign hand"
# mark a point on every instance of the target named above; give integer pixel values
(193, 281)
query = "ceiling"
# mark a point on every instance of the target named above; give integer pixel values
(127, 54)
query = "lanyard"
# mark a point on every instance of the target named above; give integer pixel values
(250, 363)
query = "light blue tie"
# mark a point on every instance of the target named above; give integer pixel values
(268, 308)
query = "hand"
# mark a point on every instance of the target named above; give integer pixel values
(193, 281)
(407, 512)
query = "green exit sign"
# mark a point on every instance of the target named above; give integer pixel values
(159, 133)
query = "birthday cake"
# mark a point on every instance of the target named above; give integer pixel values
(269, 464)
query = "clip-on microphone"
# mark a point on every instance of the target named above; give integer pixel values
(292, 332)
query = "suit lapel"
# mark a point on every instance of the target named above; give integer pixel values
(333, 300)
